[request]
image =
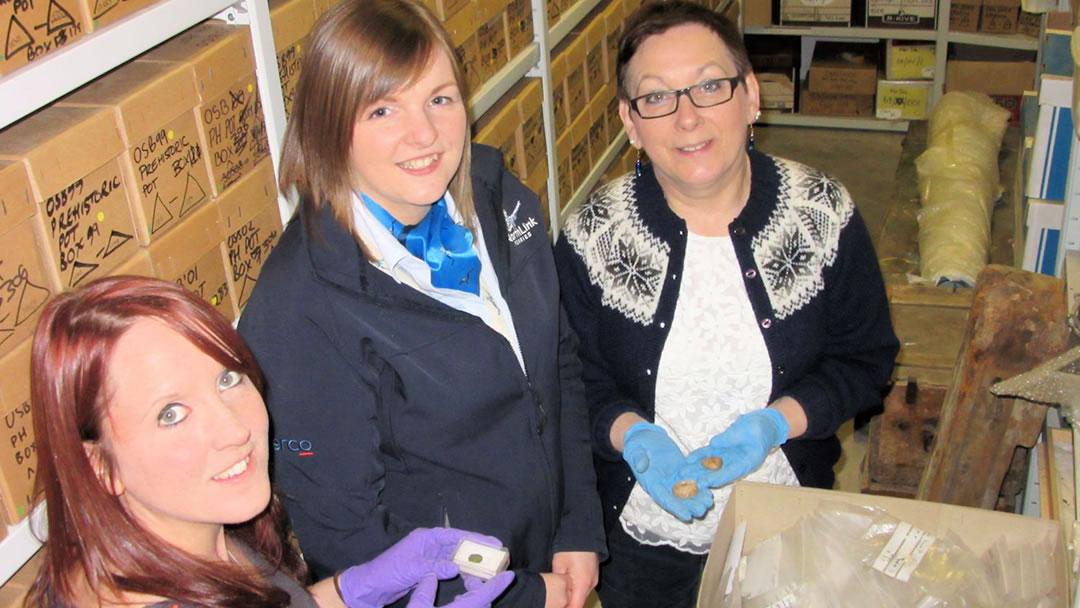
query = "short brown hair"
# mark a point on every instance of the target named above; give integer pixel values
(360, 51)
(658, 17)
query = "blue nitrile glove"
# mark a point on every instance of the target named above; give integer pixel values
(743, 446)
(388, 577)
(658, 464)
(480, 594)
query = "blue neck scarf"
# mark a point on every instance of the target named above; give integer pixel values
(446, 246)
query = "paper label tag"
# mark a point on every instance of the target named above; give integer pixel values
(904, 551)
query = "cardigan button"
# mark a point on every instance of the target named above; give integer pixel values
(766, 323)
(780, 370)
(648, 372)
(738, 229)
(750, 274)
(663, 324)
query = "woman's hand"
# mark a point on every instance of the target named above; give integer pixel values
(743, 446)
(479, 594)
(424, 554)
(557, 589)
(658, 464)
(583, 568)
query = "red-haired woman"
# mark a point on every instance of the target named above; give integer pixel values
(153, 460)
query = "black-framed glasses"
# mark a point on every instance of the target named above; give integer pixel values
(705, 94)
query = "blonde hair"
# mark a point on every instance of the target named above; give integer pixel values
(360, 51)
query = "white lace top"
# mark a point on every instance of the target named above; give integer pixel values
(714, 366)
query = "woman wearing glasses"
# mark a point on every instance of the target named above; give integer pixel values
(728, 303)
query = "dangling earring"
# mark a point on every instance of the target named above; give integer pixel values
(750, 143)
(637, 164)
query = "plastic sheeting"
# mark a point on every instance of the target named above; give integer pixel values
(958, 184)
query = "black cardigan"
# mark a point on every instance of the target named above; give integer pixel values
(813, 282)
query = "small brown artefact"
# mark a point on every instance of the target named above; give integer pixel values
(685, 489)
(713, 463)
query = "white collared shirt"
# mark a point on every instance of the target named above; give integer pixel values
(392, 258)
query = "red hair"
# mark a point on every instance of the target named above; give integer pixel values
(91, 536)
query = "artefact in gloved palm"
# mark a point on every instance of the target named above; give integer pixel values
(480, 594)
(743, 446)
(388, 577)
(658, 464)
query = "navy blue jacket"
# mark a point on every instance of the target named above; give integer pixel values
(813, 282)
(392, 411)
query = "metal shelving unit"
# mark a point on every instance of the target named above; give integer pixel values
(941, 36)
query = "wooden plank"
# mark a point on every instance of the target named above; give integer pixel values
(1017, 321)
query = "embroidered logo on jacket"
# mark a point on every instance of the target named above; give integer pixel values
(519, 232)
(625, 260)
(801, 236)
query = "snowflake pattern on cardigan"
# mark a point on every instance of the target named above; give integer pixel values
(802, 235)
(628, 262)
(624, 258)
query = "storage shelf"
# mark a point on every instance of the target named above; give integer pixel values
(874, 33)
(503, 80)
(79, 62)
(833, 122)
(20, 544)
(569, 20)
(1003, 41)
(594, 176)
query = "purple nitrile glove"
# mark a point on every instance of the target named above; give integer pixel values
(658, 464)
(743, 446)
(391, 575)
(480, 594)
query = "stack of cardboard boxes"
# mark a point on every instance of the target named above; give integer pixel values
(904, 93)
(842, 80)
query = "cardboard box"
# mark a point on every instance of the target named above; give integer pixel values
(909, 60)
(823, 12)
(580, 162)
(233, 132)
(217, 54)
(758, 13)
(462, 29)
(1056, 57)
(563, 147)
(844, 69)
(252, 224)
(964, 16)
(902, 99)
(832, 104)
(1044, 223)
(559, 68)
(598, 137)
(999, 16)
(164, 161)
(104, 12)
(1004, 80)
(777, 91)
(908, 14)
(1028, 24)
(519, 25)
(190, 256)
(613, 22)
(27, 281)
(554, 11)
(291, 22)
(138, 264)
(576, 99)
(491, 38)
(446, 10)
(18, 452)
(72, 156)
(767, 510)
(614, 121)
(39, 28)
(500, 127)
(529, 96)
(595, 74)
